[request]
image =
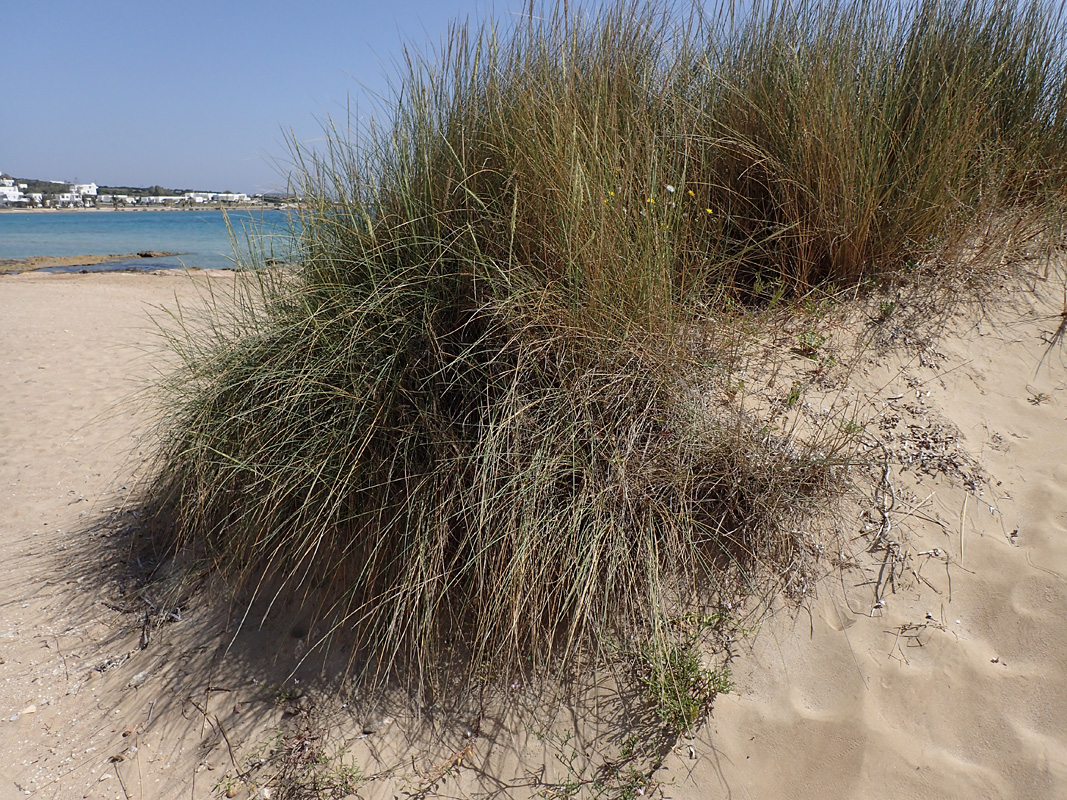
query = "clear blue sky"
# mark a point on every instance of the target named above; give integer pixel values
(195, 93)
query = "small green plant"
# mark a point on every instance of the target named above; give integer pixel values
(886, 309)
(631, 783)
(734, 387)
(809, 343)
(228, 786)
(618, 779)
(796, 390)
(306, 770)
(851, 427)
(569, 756)
(295, 765)
(282, 694)
(1037, 398)
(679, 685)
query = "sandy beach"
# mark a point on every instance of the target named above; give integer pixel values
(944, 677)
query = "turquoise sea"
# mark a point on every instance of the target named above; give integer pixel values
(201, 237)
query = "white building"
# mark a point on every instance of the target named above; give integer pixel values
(10, 193)
(83, 189)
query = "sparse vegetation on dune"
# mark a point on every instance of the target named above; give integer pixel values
(482, 418)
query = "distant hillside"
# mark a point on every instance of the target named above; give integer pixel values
(54, 187)
(44, 187)
(141, 191)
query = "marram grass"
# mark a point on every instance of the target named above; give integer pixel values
(477, 419)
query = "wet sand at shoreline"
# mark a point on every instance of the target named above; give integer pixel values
(41, 262)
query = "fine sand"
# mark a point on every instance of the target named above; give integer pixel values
(931, 662)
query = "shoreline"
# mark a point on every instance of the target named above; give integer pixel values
(154, 208)
(14, 266)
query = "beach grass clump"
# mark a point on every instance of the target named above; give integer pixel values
(480, 419)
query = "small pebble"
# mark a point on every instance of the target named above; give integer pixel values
(376, 725)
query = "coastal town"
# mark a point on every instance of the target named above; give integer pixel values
(60, 195)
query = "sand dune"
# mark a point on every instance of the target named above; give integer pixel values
(955, 685)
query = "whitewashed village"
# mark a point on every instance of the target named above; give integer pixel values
(14, 194)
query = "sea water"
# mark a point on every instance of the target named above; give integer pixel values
(201, 237)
